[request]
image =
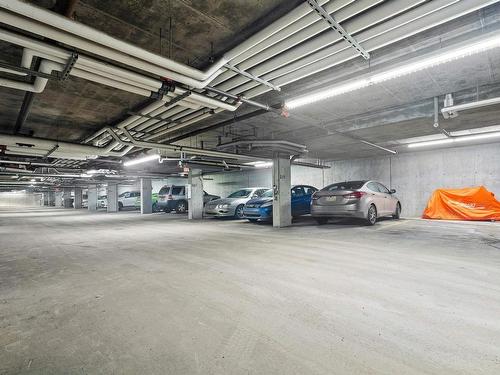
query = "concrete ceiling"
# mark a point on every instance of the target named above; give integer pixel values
(332, 129)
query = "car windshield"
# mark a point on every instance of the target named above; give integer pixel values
(123, 194)
(348, 185)
(268, 194)
(164, 190)
(243, 193)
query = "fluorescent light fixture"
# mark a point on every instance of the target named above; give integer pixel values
(261, 164)
(438, 59)
(33, 180)
(465, 138)
(142, 159)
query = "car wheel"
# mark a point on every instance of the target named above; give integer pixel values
(238, 213)
(181, 207)
(321, 220)
(372, 215)
(120, 206)
(397, 214)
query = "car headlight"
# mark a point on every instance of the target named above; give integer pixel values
(267, 204)
(222, 206)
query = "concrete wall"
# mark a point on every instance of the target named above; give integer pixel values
(416, 175)
(19, 199)
(225, 183)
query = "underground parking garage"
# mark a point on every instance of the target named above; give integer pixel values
(250, 187)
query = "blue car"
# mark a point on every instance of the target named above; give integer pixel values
(261, 209)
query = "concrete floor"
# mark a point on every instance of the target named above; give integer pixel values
(120, 293)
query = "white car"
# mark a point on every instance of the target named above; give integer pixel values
(129, 199)
(102, 201)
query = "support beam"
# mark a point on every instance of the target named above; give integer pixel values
(195, 194)
(77, 203)
(112, 197)
(146, 196)
(282, 210)
(92, 198)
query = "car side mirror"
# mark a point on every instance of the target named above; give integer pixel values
(393, 191)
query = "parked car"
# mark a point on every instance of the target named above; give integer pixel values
(129, 199)
(232, 206)
(102, 201)
(173, 197)
(367, 200)
(261, 209)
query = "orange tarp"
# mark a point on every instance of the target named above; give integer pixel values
(476, 203)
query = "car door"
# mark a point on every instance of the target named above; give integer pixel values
(378, 198)
(308, 192)
(126, 199)
(390, 202)
(298, 201)
(137, 199)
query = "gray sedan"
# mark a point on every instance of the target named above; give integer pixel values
(232, 206)
(367, 200)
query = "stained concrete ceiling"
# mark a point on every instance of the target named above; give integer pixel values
(332, 129)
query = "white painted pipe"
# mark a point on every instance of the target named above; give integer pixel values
(87, 38)
(38, 85)
(43, 146)
(372, 39)
(301, 55)
(121, 79)
(296, 33)
(471, 105)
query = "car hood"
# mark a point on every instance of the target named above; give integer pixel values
(230, 201)
(259, 201)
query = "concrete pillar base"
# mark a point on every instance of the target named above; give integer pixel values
(146, 196)
(112, 197)
(195, 194)
(282, 210)
(92, 198)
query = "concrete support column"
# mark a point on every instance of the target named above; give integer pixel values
(195, 194)
(51, 198)
(67, 201)
(146, 199)
(59, 199)
(282, 210)
(77, 203)
(92, 198)
(45, 198)
(112, 194)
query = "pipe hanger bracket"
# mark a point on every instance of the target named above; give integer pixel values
(63, 76)
(336, 26)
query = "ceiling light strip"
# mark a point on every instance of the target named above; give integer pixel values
(404, 70)
(459, 139)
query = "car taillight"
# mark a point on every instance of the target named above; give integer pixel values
(355, 195)
(169, 197)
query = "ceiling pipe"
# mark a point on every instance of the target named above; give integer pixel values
(447, 111)
(188, 150)
(422, 18)
(87, 38)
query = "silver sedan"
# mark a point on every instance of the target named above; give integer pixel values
(367, 200)
(232, 206)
